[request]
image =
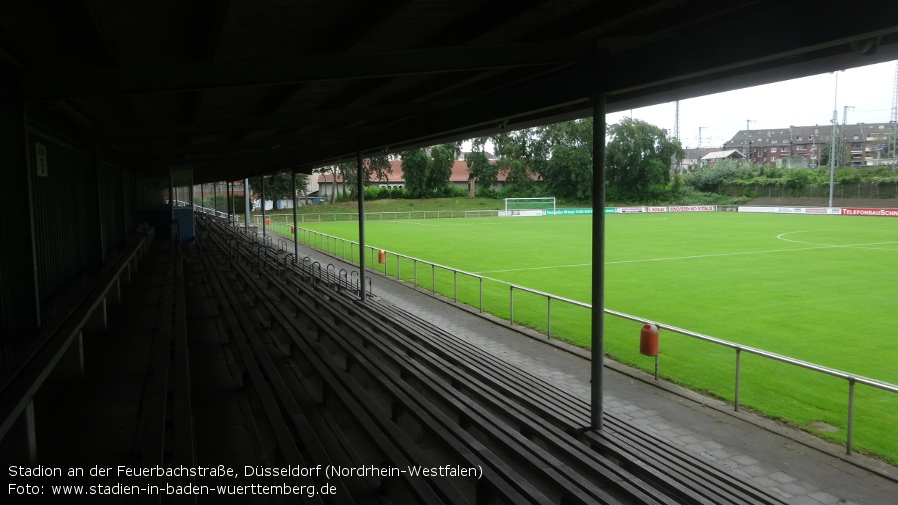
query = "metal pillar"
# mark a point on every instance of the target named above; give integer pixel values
(246, 204)
(598, 261)
(361, 198)
(230, 194)
(262, 198)
(295, 227)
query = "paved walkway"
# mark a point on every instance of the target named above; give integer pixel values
(800, 467)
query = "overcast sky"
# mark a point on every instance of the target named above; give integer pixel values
(798, 102)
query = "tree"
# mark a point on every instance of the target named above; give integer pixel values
(568, 173)
(638, 157)
(278, 187)
(521, 154)
(375, 167)
(414, 170)
(427, 175)
(479, 166)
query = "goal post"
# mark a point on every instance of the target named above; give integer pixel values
(529, 206)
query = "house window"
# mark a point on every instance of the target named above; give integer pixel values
(773, 149)
(784, 149)
(774, 141)
(799, 138)
(773, 159)
(856, 137)
(800, 147)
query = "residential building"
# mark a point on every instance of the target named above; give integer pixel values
(803, 146)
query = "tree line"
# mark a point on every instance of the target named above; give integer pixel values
(554, 160)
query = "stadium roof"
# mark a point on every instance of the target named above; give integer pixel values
(241, 88)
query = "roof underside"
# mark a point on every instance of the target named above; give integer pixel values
(245, 87)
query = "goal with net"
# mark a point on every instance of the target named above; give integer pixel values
(528, 206)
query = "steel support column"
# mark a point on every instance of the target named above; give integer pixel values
(360, 191)
(246, 204)
(230, 200)
(262, 199)
(598, 261)
(295, 227)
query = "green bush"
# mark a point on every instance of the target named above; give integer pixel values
(452, 191)
(220, 203)
(487, 193)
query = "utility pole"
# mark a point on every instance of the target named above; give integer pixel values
(845, 110)
(894, 118)
(676, 132)
(700, 128)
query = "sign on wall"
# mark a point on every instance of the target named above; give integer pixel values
(40, 159)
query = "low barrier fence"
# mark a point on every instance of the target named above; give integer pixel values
(306, 217)
(469, 288)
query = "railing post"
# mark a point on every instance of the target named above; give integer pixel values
(738, 365)
(433, 278)
(850, 433)
(481, 293)
(511, 305)
(415, 268)
(398, 268)
(455, 284)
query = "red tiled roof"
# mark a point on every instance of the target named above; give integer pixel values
(459, 174)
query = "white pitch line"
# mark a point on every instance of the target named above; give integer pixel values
(781, 236)
(404, 222)
(531, 268)
(699, 256)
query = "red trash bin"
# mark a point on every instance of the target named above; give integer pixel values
(648, 340)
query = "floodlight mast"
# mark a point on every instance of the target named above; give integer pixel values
(832, 141)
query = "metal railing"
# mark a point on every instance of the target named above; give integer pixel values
(306, 217)
(61, 341)
(329, 245)
(273, 253)
(852, 379)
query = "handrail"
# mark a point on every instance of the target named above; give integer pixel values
(852, 379)
(21, 383)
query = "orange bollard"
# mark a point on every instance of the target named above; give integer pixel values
(292, 231)
(382, 256)
(648, 340)
(267, 221)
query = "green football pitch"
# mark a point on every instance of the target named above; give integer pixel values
(821, 289)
